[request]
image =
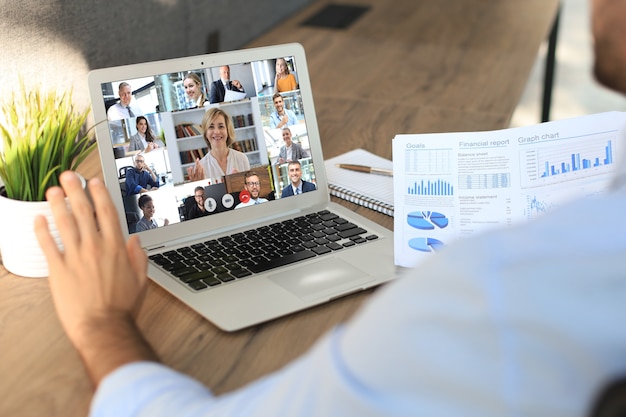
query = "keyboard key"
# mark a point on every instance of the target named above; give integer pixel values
(197, 285)
(320, 250)
(196, 276)
(334, 246)
(286, 260)
(212, 281)
(225, 277)
(345, 226)
(352, 232)
(240, 273)
(181, 270)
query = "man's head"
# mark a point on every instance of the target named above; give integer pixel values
(287, 136)
(608, 26)
(140, 162)
(125, 93)
(294, 171)
(278, 102)
(252, 184)
(225, 72)
(199, 196)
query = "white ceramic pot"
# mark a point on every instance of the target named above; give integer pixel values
(21, 254)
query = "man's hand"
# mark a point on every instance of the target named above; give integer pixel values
(237, 84)
(98, 280)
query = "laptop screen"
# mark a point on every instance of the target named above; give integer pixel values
(208, 140)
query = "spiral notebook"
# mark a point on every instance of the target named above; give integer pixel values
(368, 190)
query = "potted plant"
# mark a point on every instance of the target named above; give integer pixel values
(42, 136)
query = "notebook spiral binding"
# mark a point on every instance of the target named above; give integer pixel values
(360, 199)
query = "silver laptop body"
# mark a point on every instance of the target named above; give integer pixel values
(174, 118)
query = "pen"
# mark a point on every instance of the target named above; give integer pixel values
(369, 170)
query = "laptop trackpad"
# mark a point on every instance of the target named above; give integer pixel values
(322, 280)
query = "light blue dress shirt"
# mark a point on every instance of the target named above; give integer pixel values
(275, 118)
(515, 322)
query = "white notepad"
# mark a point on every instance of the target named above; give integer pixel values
(368, 190)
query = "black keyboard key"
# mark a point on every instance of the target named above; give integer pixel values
(219, 270)
(196, 276)
(345, 226)
(225, 277)
(181, 270)
(352, 232)
(160, 260)
(320, 250)
(240, 273)
(286, 260)
(328, 216)
(212, 281)
(334, 246)
(197, 285)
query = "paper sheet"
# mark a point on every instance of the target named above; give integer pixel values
(455, 185)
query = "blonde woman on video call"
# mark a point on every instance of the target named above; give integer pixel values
(219, 135)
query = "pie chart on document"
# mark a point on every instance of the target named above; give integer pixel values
(426, 244)
(427, 220)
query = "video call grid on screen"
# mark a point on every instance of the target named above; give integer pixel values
(160, 101)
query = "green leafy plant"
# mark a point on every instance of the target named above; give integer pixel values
(42, 136)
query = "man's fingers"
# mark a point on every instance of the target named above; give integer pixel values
(63, 218)
(138, 258)
(105, 211)
(47, 243)
(81, 207)
(139, 264)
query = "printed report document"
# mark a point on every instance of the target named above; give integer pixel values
(454, 185)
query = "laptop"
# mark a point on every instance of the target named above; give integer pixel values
(243, 241)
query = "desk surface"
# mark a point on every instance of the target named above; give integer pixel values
(403, 67)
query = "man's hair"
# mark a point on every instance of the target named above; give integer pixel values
(275, 96)
(296, 162)
(143, 200)
(198, 188)
(249, 174)
(122, 85)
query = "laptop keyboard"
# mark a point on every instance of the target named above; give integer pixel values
(218, 261)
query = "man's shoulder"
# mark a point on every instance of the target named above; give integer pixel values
(114, 108)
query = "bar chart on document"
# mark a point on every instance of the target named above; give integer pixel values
(429, 190)
(566, 168)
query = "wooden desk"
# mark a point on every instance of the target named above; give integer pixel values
(404, 66)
